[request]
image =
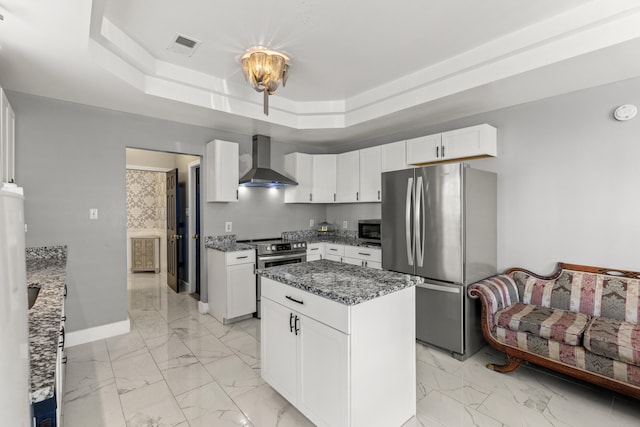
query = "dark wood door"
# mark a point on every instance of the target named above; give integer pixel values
(173, 238)
(197, 234)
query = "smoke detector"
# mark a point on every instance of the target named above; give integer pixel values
(183, 45)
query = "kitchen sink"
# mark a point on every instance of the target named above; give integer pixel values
(32, 295)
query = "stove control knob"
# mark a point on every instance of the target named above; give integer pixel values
(268, 248)
(273, 247)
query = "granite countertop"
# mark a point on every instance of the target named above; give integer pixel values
(229, 246)
(226, 243)
(349, 241)
(46, 268)
(344, 283)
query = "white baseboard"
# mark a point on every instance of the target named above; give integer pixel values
(97, 333)
(203, 307)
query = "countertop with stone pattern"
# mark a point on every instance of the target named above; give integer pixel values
(344, 283)
(46, 269)
(226, 243)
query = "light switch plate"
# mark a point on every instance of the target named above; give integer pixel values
(312, 223)
(228, 227)
(93, 213)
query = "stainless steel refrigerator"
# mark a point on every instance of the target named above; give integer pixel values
(439, 222)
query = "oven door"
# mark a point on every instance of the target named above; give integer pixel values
(274, 261)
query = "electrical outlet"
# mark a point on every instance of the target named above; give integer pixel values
(93, 213)
(312, 223)
(228, 227)
(345, 224)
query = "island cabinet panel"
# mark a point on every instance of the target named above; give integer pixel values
(340, 365)
(280, 349)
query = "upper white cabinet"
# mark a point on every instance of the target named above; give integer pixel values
(393, 156)
(222, 171)
(7, 140)
(348, 177)
(299, 166)
(471, 142)
(324, 178)
(370, 180)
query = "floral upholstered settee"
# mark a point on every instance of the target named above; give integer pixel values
(581, 321)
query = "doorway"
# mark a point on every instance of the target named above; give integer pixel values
(153, 206)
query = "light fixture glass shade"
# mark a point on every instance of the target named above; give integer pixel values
(264, 69)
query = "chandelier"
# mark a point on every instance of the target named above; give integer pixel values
(264, 69)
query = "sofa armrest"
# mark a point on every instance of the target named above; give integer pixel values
(495, 293)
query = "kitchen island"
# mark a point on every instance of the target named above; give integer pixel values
(338, 342)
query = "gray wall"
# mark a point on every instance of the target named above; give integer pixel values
(567, 187)
(71, 157)
(568, 179)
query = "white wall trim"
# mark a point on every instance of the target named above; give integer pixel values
(97, 333)
(203, 307)
(192, 224)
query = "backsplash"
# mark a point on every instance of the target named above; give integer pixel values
(314, 234)
(146, 199)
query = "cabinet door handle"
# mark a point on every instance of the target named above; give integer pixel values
(291, 322)
(313, 249)
(334, 197)
(366, 263)
(443, 151)
(333, 249)
(242, 257)
(293, 299)
(296, 323)
(364, 253)
(437, 151)
(357, 195)
(378, 194)
(310, 197)
(237, 196)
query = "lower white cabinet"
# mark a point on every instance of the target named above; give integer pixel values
(315, 251)
(340, 365)
(363, 256)
(231, 284)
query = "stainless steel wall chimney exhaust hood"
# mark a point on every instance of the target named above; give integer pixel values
(261, 174)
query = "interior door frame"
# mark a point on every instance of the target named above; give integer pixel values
(191, 188)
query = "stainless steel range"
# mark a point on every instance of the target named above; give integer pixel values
(274, 252)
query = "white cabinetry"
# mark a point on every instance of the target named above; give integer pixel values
(222, 171)
(348, 177)
(324, 178)
(363, 256)
(393, 156)
(317, 353)
(299, 166)
(315, 251)
(334, 252)
(370, 179)
(471, 142)
(232, 284)
(7, 139)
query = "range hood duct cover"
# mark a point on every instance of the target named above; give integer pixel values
(261, 174)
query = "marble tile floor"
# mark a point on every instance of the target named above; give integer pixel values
(180, 368)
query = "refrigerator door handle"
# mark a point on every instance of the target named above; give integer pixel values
(408, 237)
(418, 227)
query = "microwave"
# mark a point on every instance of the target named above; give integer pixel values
(369, 230)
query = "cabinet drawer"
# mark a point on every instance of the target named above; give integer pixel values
(241, 257)
(315, 248)
(323, 310)
(367, 254)
(334, 249)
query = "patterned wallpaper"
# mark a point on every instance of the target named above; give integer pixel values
(146, 199)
